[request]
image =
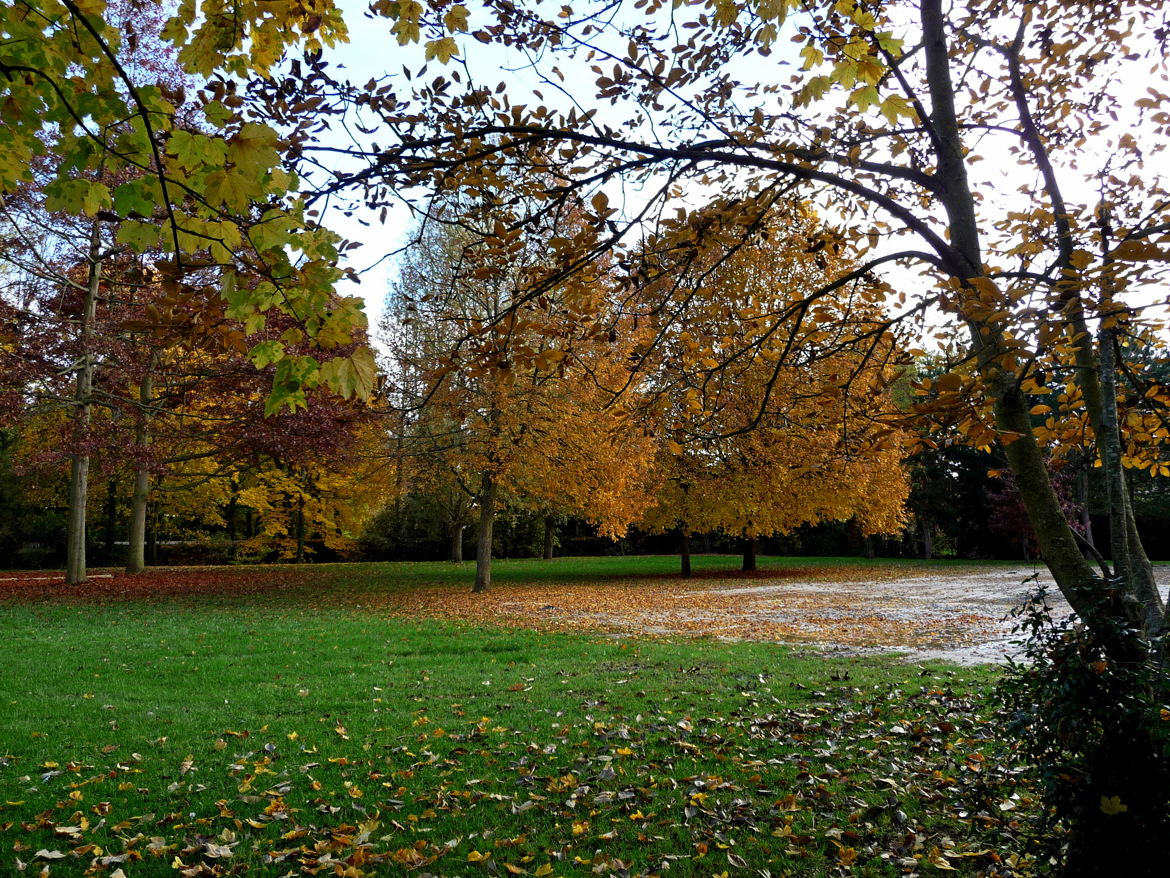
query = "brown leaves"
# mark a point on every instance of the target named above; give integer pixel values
(789, 604)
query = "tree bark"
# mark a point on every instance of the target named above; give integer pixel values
(749, 554)
(136, 548)
(1086, 514)
(926, 526)
(300, 531)
(82, 401)
(457, 544)
(111, 518)
(483, 551)
(684, 551)
(550, 536)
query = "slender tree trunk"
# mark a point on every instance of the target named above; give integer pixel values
(684, 551)
(136, 549)
(550, 536)
(749, 554)
(230, 516)
(82, 401)
(1086, 515)
(927, 528)
(299, 524)
(483, 551)
(152, 538)
(457, 544)
(111, 517)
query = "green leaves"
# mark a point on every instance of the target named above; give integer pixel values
(351, 376)
(193, 149)
(77, 196)
(65, 94)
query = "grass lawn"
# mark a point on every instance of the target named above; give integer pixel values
(286, 730)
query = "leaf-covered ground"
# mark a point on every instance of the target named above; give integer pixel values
(268, 722)
(952, 611)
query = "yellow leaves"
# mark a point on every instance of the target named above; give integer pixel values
(949, 382)
(726, 12)
(1138, 250)
(1112, 806)
(91, 7)
(812, 55)
(846, 856)
(865, 97)
(253, 149)
(455, 20)
(895, 107)
(407, 26)
(231, 189)
(443, 50)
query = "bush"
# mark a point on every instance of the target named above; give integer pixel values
(1097, 733)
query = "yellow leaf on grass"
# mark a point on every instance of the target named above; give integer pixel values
(1112, 805)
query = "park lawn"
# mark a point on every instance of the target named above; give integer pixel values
(287, 730)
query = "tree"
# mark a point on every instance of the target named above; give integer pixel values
(71, 88)
(119, 151)
(525, 413)
(887, 120)
(778, 424)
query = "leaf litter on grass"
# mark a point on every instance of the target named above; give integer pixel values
(694, 774)
(881, 781)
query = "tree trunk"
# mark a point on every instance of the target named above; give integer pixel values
(230, 515)
(136, 549)
(550, 536)
(82, 401)
(684, 551)
(152, 538)
(1086, 515)
(927, 528)
(457, 544)
(483, 551)
(300, 531)
(111, 518)
(1123, 614)
(749, 554)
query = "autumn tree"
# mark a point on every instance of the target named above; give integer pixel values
(528, 409)
(114, 141)
(884, 111)
(777, 422)
(886, 119)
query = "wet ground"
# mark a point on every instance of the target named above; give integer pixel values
(961, 614)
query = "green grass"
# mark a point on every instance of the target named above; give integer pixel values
(292, 732)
